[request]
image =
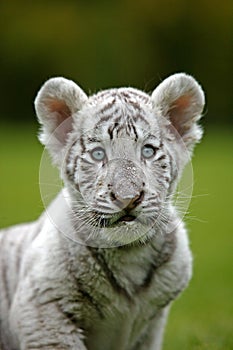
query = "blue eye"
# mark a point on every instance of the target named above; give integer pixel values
(148, 151)
(98, 154)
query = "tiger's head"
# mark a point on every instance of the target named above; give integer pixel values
(121, 152)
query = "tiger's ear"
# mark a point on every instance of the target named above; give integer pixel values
(57, 102)
(180, 99)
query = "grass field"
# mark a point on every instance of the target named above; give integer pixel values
(202, 318)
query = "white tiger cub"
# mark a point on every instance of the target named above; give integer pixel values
(110, 286)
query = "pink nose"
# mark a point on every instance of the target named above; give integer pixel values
(127, 202)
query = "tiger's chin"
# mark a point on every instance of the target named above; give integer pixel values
(121, 235)
(119, 230)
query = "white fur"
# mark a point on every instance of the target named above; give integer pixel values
(58, 293)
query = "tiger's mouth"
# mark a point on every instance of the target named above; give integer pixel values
(116, 220)
(126, 218)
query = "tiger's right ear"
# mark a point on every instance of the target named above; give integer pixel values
(56, 104)
(180, 100)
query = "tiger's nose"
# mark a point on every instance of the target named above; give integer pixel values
(129, 202)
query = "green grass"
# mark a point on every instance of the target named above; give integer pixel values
(202, 318)
(20, 154)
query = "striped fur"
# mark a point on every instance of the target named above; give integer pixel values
(101, 266)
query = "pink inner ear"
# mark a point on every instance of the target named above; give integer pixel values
(62, 118)
(178, 113)
(183, 102)
(59, 106)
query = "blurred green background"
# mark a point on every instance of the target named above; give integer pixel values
(101, 44)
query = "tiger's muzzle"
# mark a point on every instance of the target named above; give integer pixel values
(127, 184)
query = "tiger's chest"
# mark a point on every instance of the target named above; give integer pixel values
(119, 331)
(125, 321)
(120, 304)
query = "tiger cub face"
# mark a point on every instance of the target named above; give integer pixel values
(121, 152)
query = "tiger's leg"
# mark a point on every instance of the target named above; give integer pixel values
(45, 327)
(153, 337)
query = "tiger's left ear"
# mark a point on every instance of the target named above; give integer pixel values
(56, 104)
(181, 100)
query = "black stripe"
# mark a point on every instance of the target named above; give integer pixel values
(128, 99)
(120, 127)
(162, 256)
(135, 105)
(5, 285)
(75, 165)
(102, 207)
(173, 171)
(104, 119)
(90, 299)
(84, 294)
(82, 144)
(77, 187)
(108, 117)
(126, 94)
(112, 128)
(93, 139)
(160, 260)
(163, 166)
(86, 167)
(117, 120)
(135, 131)
(4, 268)
(150, 274)
(108, 106)
(161, 157)
(87, 187)
(99, 258)
(136, 93)
(139, 116)
(106, 94)
(68, 155)
(87, 161)
(110, 132)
